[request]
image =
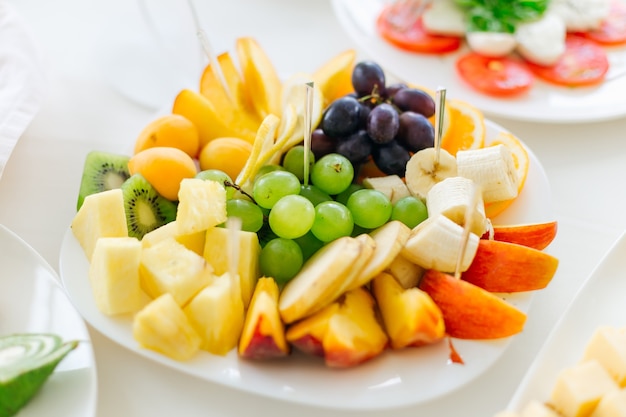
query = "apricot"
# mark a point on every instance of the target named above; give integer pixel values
(227, 154)
(164, 167)
(172, 130)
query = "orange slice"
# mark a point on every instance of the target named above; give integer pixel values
(466, 129)
(334, 77)
(522, 163)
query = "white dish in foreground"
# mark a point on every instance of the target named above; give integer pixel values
(32, 301)
(394, 379)
(600, 301)
(544, 103)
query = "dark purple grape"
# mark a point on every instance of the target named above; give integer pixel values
(383, 123)
(368, 77)
(365, 112)
(415, 100)
(322, 144)
(341, 117)
(391, 158)
(356, 147)
(392, 89)
(416, 132)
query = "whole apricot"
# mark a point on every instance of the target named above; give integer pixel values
(226, 154)
(172, 130)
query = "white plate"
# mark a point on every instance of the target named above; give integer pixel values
(33, 301)
(544, 103)
(600, 301)
(392, 380)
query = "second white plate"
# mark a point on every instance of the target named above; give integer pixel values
(395, 379)
(544, 103)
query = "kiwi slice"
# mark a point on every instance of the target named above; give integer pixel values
(145, 208)
(28, 360)
(102, 171)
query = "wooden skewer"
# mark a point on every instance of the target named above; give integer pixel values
(308, 115)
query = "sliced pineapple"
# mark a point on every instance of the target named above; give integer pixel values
(217, 314)
(169, 267)
(163, 327)
(202, 205)
(114, 275)
(101, 215)
(193, 241)
(216, 254)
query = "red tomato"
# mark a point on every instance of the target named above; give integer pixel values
(415, 38)
(582, 63)
(494, 76)
(612, 31)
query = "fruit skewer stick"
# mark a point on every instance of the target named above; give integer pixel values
(233, 225)
(467, 225)
(440, 103)
(308, 115)
(208, 50)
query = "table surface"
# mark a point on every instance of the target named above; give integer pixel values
(88, 45)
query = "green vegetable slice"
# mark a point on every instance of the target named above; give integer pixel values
(26, 362)
(500, 15)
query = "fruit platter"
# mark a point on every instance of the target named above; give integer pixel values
(481, 67)
(333, 239)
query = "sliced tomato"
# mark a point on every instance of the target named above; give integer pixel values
(414, 38)
(583, 63)
(612, 30)
(494, 76)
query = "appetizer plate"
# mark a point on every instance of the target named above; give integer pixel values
(544, 103)
(33, 301)
(600, 301)
(394, 379)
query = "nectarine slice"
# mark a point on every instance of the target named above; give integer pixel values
(509, 267)
(469, 312)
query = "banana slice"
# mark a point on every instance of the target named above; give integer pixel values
(391, 185)
(436, 244)
(491, 168)
(452, 197)
(422, 171)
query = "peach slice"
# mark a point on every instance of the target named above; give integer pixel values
(509, 267)
(410, 316)
(469, 312)
(263, 335)
(534, 235)
(260, 77)
(345, 333)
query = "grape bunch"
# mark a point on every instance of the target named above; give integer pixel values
(387, 123)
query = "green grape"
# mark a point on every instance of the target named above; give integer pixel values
(267, 168)
(294, 161)
(410, 211)
(281, 259)
(292, 216)
(343, 196)
(333, 173)
(332, 221)
(219, 176)
(250, 214)
(314, 194)
(309, 244)
(274, 185)
(370, 208)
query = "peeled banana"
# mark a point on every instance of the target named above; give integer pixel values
(424, 170)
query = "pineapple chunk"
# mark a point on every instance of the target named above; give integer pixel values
(114, 275)
(193, 241)
(163, 327)
(217, 314)
(578, 389)
(202, 204)
(216, 254)
(101, 215)
(608, 346)
(169, 267)
(612, 404)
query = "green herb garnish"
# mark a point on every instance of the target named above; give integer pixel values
(500, 15)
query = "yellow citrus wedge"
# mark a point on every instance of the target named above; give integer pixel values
(522, 163)
(466, 129)
(260, 77)
(334, 77)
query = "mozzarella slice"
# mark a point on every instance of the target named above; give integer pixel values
(542, 41)
(491, 44)
(444, 17)
(581, 15)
